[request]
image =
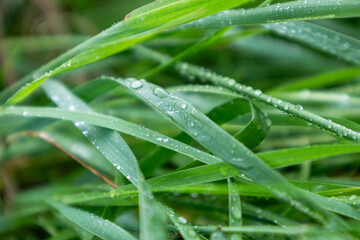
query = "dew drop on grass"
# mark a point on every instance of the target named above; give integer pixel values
(258, 92)
(182, 220)
(299, 107)
(196, 134)
(352, 197)
(183, 106)
(136, 84)
(160, 93)
(192, 233)
(237, 159)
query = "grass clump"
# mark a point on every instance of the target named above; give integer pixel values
(191, 119)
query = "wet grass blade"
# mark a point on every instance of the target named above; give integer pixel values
(116, 151)
(318, 37)
(202, 174)
(251, 135)
(276, 158)
(96, 225)
(225, 146)
(256, 94)
(139, 26)
(281, 12)
(235, 211)
(186, 231)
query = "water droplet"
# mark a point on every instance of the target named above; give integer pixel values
(237, 159)
(183, 106)
(161, 93)
(236, 212)
(352, 197)
(258, 92)
(192, 233)
(196, 134)
(194, 195)
(136, 84)
(182, 220)
(299, 107)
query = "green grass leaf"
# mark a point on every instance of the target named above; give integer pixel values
(139, 26)
(96, 225)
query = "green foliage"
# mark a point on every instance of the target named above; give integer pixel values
(248, 127)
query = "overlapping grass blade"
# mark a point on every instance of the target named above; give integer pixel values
(250, 136)
(281, 12)
(115, 149)
(202, 174)
(225, 146)
(318, 37)
(138, 26)
(277, 158)
(295, 110)
(96, 225)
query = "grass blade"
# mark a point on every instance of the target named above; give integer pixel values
(295, 110)
(139, 26)
(281, 12)
(324, 39)
(235, 211)
(115, 149)
(213, 138)
(98, 226)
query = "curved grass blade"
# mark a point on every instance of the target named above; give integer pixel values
(139, 26)
(324, 39)
(295, 110)
(276, 158)
(251, 135)
(117, 125)
(256, 129)
(116, 151)
(98, 226)
(281, 12)
(201, 174)
(216, 140)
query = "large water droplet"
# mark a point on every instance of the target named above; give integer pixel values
(136, 84)
(182, 220)
(236, 212)
(160, 93)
